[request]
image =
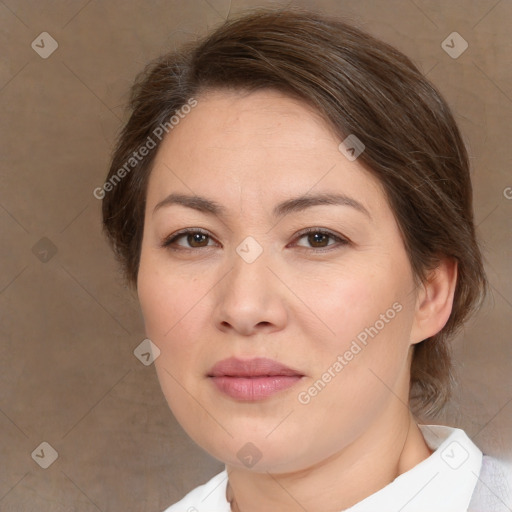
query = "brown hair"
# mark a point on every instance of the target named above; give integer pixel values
(360, 86)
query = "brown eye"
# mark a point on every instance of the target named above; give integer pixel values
(194, 239)
(319, 239)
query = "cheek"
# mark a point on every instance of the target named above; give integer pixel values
(158, 308)
(358, 371)
(171, 316)
(353, 300)
(367, 318)
(165, 296)
(174, 318)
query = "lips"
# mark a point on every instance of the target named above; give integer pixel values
(257, 367)
(252, 379)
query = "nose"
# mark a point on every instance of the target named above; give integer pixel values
(250, 299)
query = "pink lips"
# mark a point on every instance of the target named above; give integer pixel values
(252, 379)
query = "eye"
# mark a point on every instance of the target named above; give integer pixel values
(318, 238)
(195, 238)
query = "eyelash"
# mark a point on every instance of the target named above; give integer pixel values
(170, 240)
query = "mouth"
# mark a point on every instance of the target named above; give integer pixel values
(252, 379)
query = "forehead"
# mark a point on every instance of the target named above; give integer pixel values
(256, 145)
(231, 118)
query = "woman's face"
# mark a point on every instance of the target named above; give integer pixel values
(335, 306)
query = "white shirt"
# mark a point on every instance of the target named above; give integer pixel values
(444, 482)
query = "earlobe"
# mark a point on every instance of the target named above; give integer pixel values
(434, 301)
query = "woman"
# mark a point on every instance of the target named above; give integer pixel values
(292, 200)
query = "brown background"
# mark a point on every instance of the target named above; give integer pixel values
(68, 375)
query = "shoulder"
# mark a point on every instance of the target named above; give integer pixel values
(209, 497)
(493, 491)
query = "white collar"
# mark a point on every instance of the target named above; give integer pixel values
(443, 482)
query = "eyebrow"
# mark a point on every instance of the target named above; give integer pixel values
(297, 204)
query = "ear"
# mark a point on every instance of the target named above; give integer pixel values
(434, 301)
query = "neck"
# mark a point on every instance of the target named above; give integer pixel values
(367, 465)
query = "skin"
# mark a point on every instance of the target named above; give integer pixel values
(294, 303)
